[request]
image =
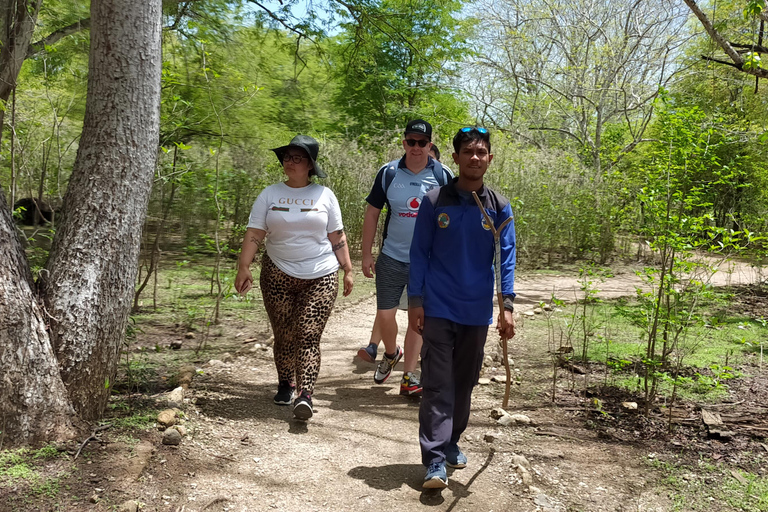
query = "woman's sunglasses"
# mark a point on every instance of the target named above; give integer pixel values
(293, 158)
(413, 142)
(468, 129)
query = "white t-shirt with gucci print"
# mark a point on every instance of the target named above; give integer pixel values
(297, 222)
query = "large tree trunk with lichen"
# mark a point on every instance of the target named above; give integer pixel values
(34, 407)
(92, 267)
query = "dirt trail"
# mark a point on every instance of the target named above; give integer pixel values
(360, 452)
(533, 289)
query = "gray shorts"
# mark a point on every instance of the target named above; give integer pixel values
(391, 283)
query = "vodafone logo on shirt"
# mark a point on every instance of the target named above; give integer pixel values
(413, 204)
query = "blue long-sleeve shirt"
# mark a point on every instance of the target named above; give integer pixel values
(452, 252)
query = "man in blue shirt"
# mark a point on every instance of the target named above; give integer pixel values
(400, 185)
(450, 293)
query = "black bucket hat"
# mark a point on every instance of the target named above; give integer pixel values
(308, 144)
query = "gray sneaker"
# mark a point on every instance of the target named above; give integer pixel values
(384, 369)
(410, 385)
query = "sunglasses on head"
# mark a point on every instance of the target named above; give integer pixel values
(479, 129)
(413, 142)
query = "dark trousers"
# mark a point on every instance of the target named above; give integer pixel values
(451, 359)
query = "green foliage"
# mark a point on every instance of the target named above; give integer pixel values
(558, 205)
(402, 66)
(20, 463)
(136, 420)
(711, 486)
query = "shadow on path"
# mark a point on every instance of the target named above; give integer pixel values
(462, 491)
(393, 476)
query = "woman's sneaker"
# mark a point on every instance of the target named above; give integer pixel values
(284, 394)
(302, 407)
(410, 385)
(369, 353)
(384, 370)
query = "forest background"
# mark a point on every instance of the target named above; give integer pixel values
(593, 110)
(617, 125)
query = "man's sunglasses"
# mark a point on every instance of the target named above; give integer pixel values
(294, 158)
(413, 142)
(479, 129)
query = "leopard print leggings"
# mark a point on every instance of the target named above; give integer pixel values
(298, 310)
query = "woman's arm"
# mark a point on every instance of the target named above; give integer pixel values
(244, 280)
(341, 250)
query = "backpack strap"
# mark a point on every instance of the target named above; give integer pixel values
(441, 175)
(389, 175)
(438, 171)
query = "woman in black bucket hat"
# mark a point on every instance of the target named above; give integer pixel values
(305, 247)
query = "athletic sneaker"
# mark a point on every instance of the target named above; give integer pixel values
(384, 370)
(410, 385)
(284, 394)
(436, 477)
(454, 457)
(302, 406)
(369, 353)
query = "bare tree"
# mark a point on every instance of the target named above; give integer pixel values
(572, 72)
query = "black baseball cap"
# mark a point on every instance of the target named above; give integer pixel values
(420, 127)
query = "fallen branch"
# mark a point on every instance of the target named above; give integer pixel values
(712, 406)
(92, 437)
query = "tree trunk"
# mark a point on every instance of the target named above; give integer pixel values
(92, 267)
(33, 401)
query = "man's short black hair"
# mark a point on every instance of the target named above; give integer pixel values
(469, 134)
(436, 151)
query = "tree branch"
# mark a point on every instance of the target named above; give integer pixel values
(751, 47)
(738, 61)
(280, 20)
(566, 132)
(54, 37)
(724, 62)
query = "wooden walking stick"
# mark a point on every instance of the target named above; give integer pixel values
(499, 297)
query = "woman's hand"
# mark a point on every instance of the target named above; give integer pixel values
(339, 245)
(349, 281)
(244, 280)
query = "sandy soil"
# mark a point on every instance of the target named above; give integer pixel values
(360, 451)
